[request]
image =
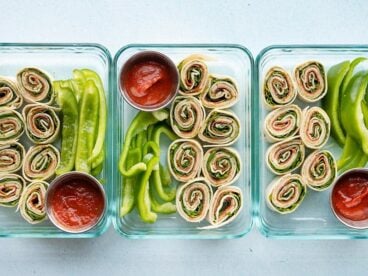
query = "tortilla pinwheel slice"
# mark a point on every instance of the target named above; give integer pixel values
(221, 166)
(9, 94)
(193, 199)
(42, 123)
(226, 205)
(32, 203)
(285, 156)
(319, 170)
(222, 92)
(284, 194)
(311, 80)
(41, 162)
(11, 125)
(35, 86)
(11, 188)
(186, 116)
(193, 74)
(315, 127)
(278, 88)
(11, 157)
(282, 123)
(221, 127)
(185, 157)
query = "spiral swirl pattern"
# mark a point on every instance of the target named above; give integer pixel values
(286, 193)
(278, 88)
(185, 158)
(222, 92)
(32, 204)
(11, 188)
(319, 170)
(221, 166)
(187, 116)
(315, 127)
(221, 127)
(193, 73)
(9, 94)
(41, 162)
(193, 200)
(35, 86)
(282, 123)
(42, 123)
(311, 81)
(285, 156)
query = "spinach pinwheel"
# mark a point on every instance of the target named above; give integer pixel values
(193, 199)
(278, 88)
(11, 188)
(282, 123)
(285, 156)
(32, 203)
(35, 86)
(221, 166)
(41, 162)
(9, 94)
(42, 123)
(186, 116)
(315, 127)
(11, 157)
(221, 127)
(226, 205)
(222, 92)
(185, 158)
(11, 125)
(311, 81)
(193, 73)
(286, 193)
(319, 170)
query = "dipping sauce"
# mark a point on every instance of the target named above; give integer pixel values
(75, 203)
(149, 80)
(350, 196)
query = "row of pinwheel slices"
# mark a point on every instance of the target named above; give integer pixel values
(38, 165)
(207, 177)
(280, 90)
(214, 91)
(41, 124)
(293, 129)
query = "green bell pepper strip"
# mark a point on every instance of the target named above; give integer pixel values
(69, 135)
(350, 150)
(78, 82)
(99, 144)
(161, 208)
(140, 123)
(97, 170)
(165, 195)
(88, 121)
(128, 197)
(143, 197)
(165, 176)
(349, 74)
(331, 102)
(351, 110)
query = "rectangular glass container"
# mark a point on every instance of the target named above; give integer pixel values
(58, 60)
(230, 60)
(313, 219)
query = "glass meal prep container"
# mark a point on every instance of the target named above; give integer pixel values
(230, 60)
(314, 218)
(58, 60)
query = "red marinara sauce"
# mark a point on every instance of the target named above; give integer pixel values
(147, 82)
(77, 204)
(350, 196)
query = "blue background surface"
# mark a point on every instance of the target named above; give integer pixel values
(254, 24)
